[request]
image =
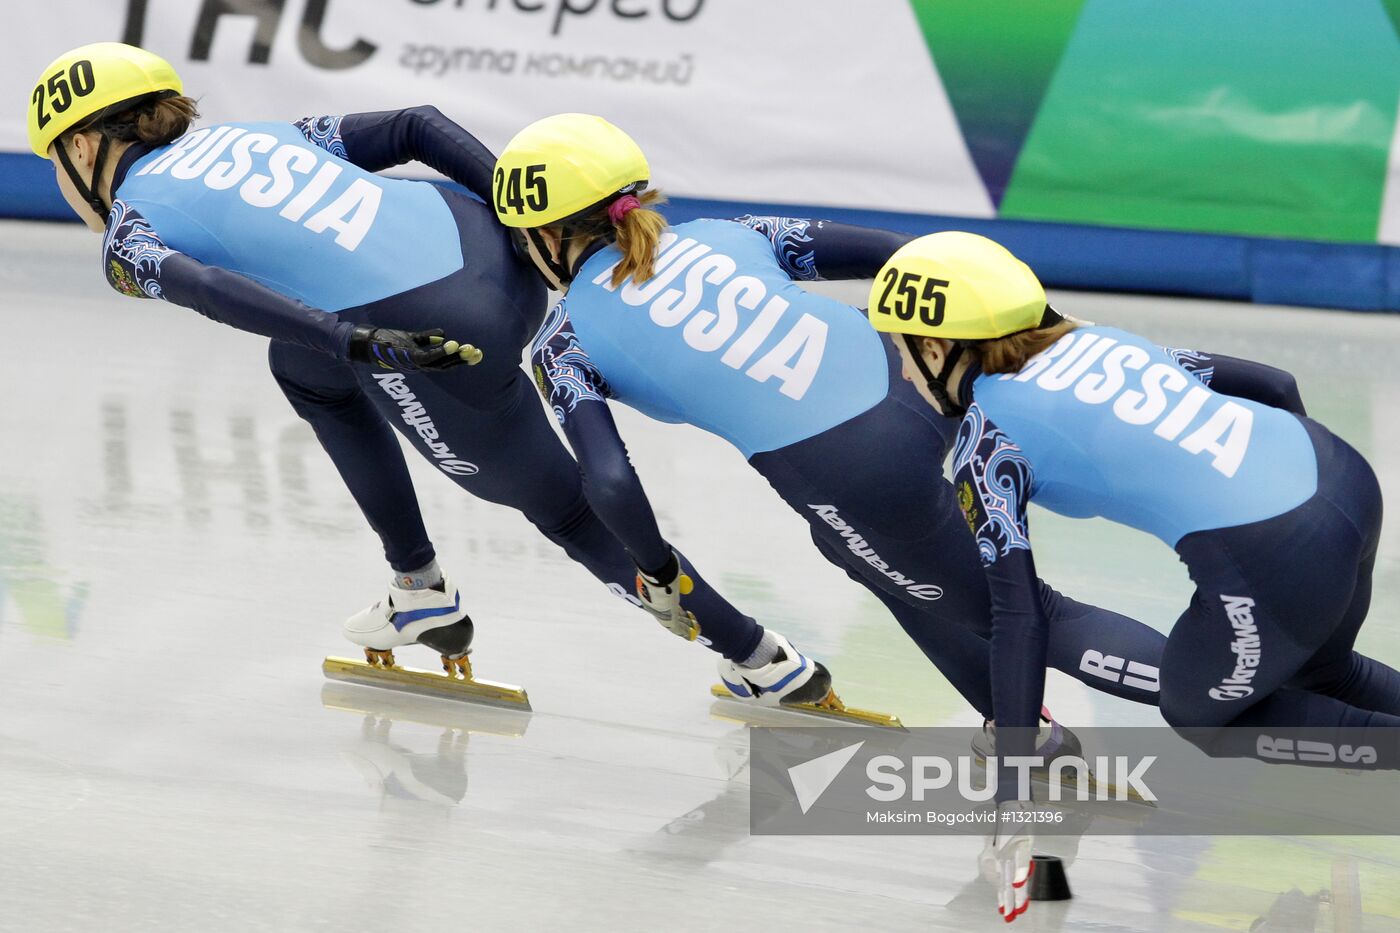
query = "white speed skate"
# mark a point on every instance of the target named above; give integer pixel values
(432, 617)
(791, 677)
(791, 682)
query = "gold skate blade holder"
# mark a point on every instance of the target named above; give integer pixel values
(830, 710)
(426, 683)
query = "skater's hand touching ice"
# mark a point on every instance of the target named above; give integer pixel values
(1006, 860)
(661, 591)
(407, 351)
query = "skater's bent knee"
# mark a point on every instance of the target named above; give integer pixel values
(565, 524)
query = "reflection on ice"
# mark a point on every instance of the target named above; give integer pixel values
(45, 600)
(411, 765)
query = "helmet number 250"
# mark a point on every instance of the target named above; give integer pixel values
(913, 293)
(78, 82)
(514, 192)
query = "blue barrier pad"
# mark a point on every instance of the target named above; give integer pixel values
(1350, 276)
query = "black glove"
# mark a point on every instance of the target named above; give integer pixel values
(409, 350)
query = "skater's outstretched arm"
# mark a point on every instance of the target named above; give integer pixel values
(376, 141)
(140, 265)
(813, 250)
(993, 481)
(1242, 378)
(577, 392)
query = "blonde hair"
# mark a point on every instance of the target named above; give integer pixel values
(156, 122)
(637, 235)
(1009, 354)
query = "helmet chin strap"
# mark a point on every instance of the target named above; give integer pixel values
(937, 383)
(89, 195)
(556, 268)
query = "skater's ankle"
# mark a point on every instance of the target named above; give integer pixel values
(766, 651)
(429, 576)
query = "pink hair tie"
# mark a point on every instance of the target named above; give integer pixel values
(619, 208)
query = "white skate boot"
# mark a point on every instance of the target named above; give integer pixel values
(793, 683)
(430, 616)
(791, 677)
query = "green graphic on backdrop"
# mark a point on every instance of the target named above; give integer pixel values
(1392, 9)
(1253, 117)
(996, 59)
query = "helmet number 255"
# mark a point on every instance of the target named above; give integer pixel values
(908, 293)
(518, 188)
(61, 88)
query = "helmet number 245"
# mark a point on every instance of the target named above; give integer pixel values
(78, 82)
(518, 188)
(913, 293)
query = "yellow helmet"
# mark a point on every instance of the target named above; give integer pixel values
(563, 165)
(958, 286)
(87, 82)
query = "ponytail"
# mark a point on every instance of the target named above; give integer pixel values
(164, 121)
(638, 233)
(1010, 353)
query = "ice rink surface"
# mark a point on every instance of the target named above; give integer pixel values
(176, 554)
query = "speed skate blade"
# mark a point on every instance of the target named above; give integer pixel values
(727, 707)
(397, 706)
(426, 683)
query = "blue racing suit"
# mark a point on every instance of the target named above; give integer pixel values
(723, 337)
(1276, 519)
(284, 230)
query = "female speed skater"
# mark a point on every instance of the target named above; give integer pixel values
(703, 323)
(282, 229)
(1276, 519)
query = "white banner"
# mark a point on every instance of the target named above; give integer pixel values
(792, 101)
(1389, 231)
